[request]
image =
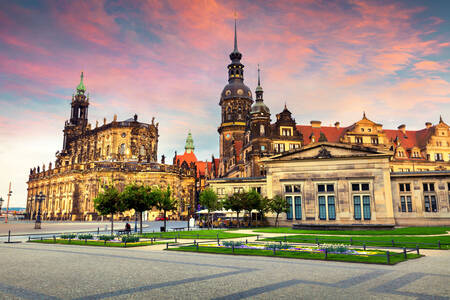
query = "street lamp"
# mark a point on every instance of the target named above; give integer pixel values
(7, 203)
(39, 198)
(188, 215)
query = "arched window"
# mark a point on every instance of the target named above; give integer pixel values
(261, 130)
(122, 149)
(142, 150)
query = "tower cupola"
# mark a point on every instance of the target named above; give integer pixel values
(189, 147)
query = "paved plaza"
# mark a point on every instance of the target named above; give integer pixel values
(45, 271)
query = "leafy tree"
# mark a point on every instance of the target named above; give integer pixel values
(137, 197)
(163, 201)
(208, 198)
(234, 203)
(278, 205)
(263, 207)
(250, 201)
(109, 202)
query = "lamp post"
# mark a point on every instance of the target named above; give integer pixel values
(39, 198)
(189, 215)
(7, 203)
(1, 204)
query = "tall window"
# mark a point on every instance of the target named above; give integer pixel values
(326, 199)
(375, 141)
(438, 156)
(261, 130)
(405, 197)
(429, 196)
(286, 132)
(361, 201)
(359, 140)
(294, 199)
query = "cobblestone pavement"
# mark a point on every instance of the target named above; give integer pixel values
(43, 271)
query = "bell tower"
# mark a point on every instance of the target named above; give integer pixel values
(235, 102)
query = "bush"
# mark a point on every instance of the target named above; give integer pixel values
(232, 243)
(85, 236)
(277, 246)
(334, 248)
(68, 236)
(106, 237)
(130, 239)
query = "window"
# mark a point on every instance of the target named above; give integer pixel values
(362, 129)
(438, 157)
(326, 199)
(293, 192)
(238, 190)
(416, 154)
(261, 130)
(400, 153)
(430, 202)
(375, 141)
(122, 149)
(221, 191)
(286, 132)
(359, 140)
(405, 187)
(361, 201)
(263, 147)
(405, 203)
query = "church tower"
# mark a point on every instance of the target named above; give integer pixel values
(78, 122)
(235, 103)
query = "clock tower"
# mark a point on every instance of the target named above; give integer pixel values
(235, 102)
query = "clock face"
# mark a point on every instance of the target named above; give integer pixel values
(124, 134)
(240, 92)
(227, 136)
(227, 93)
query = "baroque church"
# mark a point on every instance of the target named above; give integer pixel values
(361, 174)
(115, 153)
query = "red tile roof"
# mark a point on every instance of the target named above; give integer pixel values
(187, 157)
(333, 134)
(411, 138)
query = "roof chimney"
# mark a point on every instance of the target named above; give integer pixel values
(315, 124)
(402, 128)
(428, 124)
(337, 125)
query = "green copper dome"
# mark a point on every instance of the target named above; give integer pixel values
(81, 88)
(189, 143)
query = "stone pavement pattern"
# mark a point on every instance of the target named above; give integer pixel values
(39, 271)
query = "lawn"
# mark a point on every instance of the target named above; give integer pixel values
(381, 259)
(431, 242)
(95, 243)
(396, 231)
(197, 234)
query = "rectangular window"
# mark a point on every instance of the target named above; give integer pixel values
(409, 203)
(359, 140)
(298, 207)
(366, 207)
(438, 156)
(322, 208)
(433, 203)
(289, 208)
(321, 188)
(331, 208)
(403, 203)
(427, 203)
(357, 207)
(288, 188)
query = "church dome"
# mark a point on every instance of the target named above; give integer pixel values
(236, 89)
(259, 107)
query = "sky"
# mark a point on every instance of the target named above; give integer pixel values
(327, 60)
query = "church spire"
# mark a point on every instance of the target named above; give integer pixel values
(189, 147)
(235, 56)
(235, 36)
(81, 88)
(259, 89)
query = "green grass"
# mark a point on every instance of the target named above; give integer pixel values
(379, 241)
(397, 231)
(197, 234)
(95, 243)
(300, 255)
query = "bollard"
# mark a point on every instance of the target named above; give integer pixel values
(246, 241)
(98, 230)
(9, 236)
(417, 248)
(167, 245)
(175, 239)
(218, 242)
(274, 251)
(54, 239)
(364, 245)
(29, 238)
(195, 242)
(404, 253)
(285, 239)
(85, 241)
(197, 246)
(439, 244)
(393, 244)
(388, 258)
(232, 248)
(326, 253)
(125, 243)
(351, 241)
(105, 243)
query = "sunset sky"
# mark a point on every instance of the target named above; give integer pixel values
(328, 60)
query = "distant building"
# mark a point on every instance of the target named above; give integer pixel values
(359, 174)
(116, 153)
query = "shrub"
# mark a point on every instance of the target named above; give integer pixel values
(232, 243)
(85, 236)
(106, 237)
(130, 239)
(338, 248)
(68, 236)
(277, 246)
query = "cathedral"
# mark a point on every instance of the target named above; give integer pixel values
(358, 174)
(117, 153)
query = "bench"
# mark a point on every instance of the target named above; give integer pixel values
(178, 228)
(124, 231)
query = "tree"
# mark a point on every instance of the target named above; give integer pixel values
(263, 207)
(137, 197)
(208, 198)
(109, 202)
(234, 203)
(278, 205)
(250, 201)
(163, 201)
